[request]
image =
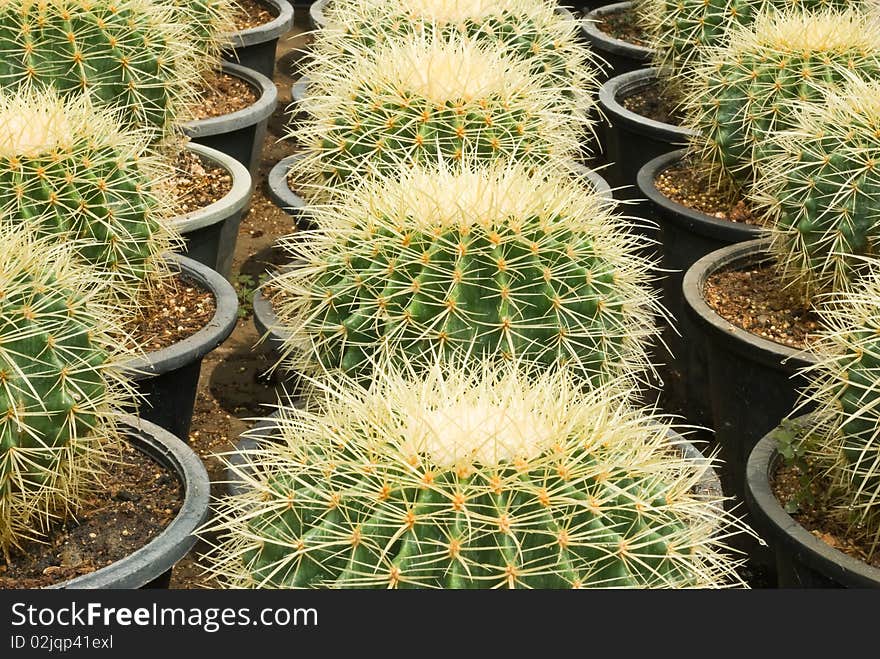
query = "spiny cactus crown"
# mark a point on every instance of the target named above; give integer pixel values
(844, 386)
(531, 30)
(822, 186)
(427, 99)
(490, 478)
(743, 91)
(679, 29)
(127, 54)
(58, 389)
(506, 263)
(68, 172)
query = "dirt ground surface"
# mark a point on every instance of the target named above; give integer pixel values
(232, 390)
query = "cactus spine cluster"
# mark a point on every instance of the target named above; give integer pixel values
(481, 478)
(427, 99)
(743, 91)
(57, 389)
(844, 387)
(533, 31)
(69, 173)
(129, 54)
(822, 187)
(496, 260)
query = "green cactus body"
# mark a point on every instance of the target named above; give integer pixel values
(56, 391)
(68, 172)
(427, 100)
(127, 54)
(743, 92)
(843, 390)
(507, 263)
(534, 32)
(680, 28)
(482, 480)
(822, 185)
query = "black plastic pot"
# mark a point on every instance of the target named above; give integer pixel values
(621, 56)
(239, 134)
(686, 235)
(752, 381)
(802, 559)
(168, 378)
(631, 140)
(211, 232)
(255, 47)
(151, 565)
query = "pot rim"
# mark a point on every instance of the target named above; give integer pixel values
(232, 202)
(810, 550)
(249, 116)
(161, 553)
(592, 33)
(267, 31)
(197, 345)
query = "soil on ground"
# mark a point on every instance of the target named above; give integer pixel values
(693, 184)
(252, 14)
(196, 183)
(650, 101)
(624, 25)
(223, 94)
(133, 503)
(754, 300)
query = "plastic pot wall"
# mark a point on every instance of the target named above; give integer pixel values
(255, 47)
(802, 559)
(151, 565)
(168, 378)
(686, 236)
(631, 140)
(239, 134)
(210, 233)
(752, 382)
